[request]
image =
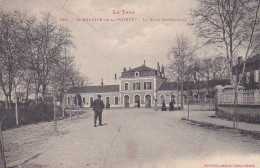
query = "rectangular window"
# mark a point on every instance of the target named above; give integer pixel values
(256, 76)
(147, 85)
(126, 86)
(247, 77)
(116, 100)
(84, 100)
(136, 86)
(107, 100)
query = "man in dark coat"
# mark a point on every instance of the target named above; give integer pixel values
(163, 106)
(172, 104)
(98, 106)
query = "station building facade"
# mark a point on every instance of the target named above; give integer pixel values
(138, 87)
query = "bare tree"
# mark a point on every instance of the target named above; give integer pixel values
(180, 56)
(220, 68)
(11, 52)
(62, 75)
(231, 25)
(45, 41)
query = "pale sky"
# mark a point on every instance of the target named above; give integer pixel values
(105, 48)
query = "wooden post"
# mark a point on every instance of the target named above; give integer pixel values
(2, 155)
(188, 107)
(63, 104)
(54, 110)
(16, 108)
(77, 105)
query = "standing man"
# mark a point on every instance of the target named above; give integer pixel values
(98, 106)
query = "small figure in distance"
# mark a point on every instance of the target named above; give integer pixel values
(171, 104)
(163, 106)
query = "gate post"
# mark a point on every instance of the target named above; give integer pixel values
(218, 90)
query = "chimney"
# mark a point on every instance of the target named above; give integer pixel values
(158, 69)
(144, 62)
(124, 69)
(115, 76)
(239, 60)
(162, 69)
(102, 82)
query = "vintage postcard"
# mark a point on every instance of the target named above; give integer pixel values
(130, 83)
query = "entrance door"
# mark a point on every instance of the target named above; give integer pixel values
(126, 101)
(137, 101)
(148, 101)
(91, 102)
(78, 100)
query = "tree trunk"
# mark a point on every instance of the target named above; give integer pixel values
(44, 87)
(63, 104)
(10, 101)
(182, 104)
(235, 115)
(36, 97)
(2, 157)
(6, 102)
(16, 109)
(54, 115)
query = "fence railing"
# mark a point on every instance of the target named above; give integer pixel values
(245, 97)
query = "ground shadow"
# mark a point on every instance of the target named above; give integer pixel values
(105, 124)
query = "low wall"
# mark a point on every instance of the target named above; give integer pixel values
(246, 113)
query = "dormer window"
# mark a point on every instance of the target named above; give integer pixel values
(136, 73)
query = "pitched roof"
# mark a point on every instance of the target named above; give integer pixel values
(168, 86)
(192, 85)
(253, 59)
(94, 89)
(143, 72)
(141, 68)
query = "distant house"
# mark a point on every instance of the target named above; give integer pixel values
(251, 77)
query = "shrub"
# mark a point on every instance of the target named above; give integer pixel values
(28, 115)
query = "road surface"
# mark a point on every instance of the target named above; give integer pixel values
(130, 138)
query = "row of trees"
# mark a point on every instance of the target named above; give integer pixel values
(185, 66)
(34, 56)
(232, 27)
(34, 59)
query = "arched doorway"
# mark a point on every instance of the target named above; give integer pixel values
(137, 101)
(147, 101)
(162, 98)
(91, 100)
(126, 101)
(78, 100)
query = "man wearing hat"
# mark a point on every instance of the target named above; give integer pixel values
(98, 106)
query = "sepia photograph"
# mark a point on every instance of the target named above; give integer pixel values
(129, 84)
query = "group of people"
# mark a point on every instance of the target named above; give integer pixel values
(171, 105)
